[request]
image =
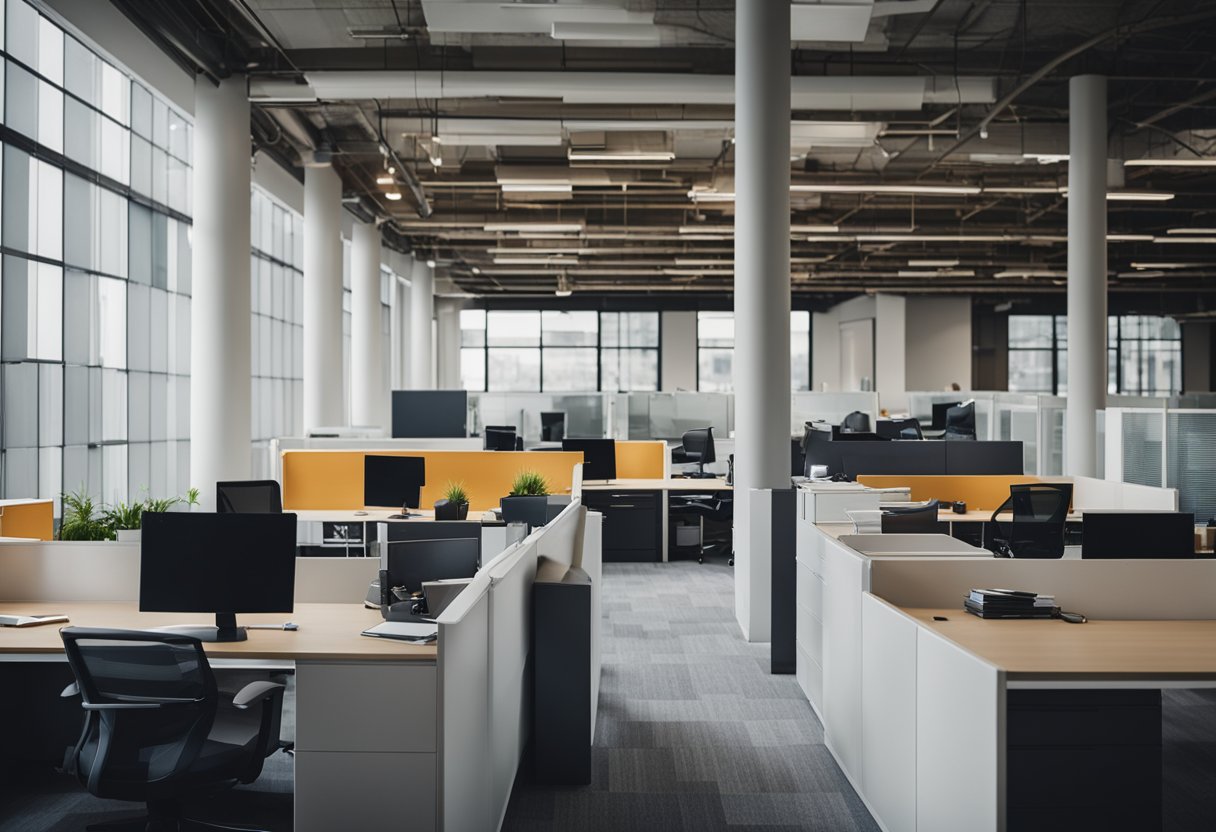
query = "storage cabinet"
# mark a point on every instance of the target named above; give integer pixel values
(633, 530)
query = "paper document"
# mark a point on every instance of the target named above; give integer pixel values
(404, 630)
(31, 620)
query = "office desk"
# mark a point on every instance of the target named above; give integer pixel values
(635, 513)
(366, 708)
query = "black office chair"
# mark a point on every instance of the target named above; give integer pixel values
(248, 497)
(1037, 529)
(920, 518)
(715, 509)
(157, 729)
(856, 422)
(960, 422)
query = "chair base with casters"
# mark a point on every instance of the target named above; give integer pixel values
(707, 506)
(158, 730)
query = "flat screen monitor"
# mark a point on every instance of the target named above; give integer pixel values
(499, 437)
(898, 429)
(392, 481)
(217, 563)
(939, 414)
(1137, 534)
(411, 563)
(599, 457)
(552, 426)
(419, 414)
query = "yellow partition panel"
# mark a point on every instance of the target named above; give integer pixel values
(640, 460)
(27, 518)
(320, 479)
(980, 493)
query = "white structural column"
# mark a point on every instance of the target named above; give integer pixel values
(762, 288)
(322, 297)
(1086, 271)
(367, 393)
(422, 312)
(447, 329)
(220, 371)
(403, 267)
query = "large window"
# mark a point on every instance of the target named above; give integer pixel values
(559, 351)
(95, 279)
(716, 350)
(1144, 355)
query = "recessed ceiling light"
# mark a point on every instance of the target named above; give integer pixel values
(430, 264)
(392, 195)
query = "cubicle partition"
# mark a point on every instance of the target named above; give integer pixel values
(1165, 446)
(27, 519)
(588, 415)
(812, 406)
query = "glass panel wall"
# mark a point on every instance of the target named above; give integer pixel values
(716, 350)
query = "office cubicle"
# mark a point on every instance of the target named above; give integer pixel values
(829, 407)
(1165, 446)
(588, 415)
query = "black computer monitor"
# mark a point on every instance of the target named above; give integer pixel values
(960, 422)
(898, 429)
(393, 481)
(1137, 534)
(499, 437)
(599, 457)
(410, 563)
(430, 413)
(797, 457)
(217, 563)
(939, 414)
(552, 426)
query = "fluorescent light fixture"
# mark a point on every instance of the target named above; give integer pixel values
(909, 189)
(1191, 231)
(1186, 240)
(430, 264)
(1031, 272)
(1046, 158)
(1129, 238)
(384, 178)
(1132, 196)
(563, 293)
(548, 227)
(697, 272)
(1139, 265)
(935, 273)
(538, 188)
(813, 229)
(536, 261)
(1021, 189)
(1192, 162)
(691, 237)
(693, 261)
(476, 270)
(711, 196)
(933, 264)
(708, 229)
(436, 161)
(648, 156)
(604, 31)
(392, 196)
(941, 238)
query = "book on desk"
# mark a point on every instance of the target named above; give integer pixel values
(1008, 603)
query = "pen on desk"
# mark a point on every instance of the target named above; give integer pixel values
(286, 625)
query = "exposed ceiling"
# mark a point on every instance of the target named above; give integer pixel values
(589, 143)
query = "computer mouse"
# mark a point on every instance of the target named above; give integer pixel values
(1073, 617)
(291, 625)
(360, 513)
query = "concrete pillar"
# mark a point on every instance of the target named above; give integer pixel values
(1086, 271)
(447, 328)
(322, 298)
(422, 312)
(367, 393)
(762, 287)
(220, 371)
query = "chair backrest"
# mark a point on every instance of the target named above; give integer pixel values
(698, 445)
(151, 699)
(856, 422)
(1040, 511)
(248, 497)
(960, 421)
(918, 519)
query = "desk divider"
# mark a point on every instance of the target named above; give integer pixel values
(980, 493)
(31, 519)
(641, 460)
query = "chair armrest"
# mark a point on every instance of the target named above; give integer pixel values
(70, 691)
(253, 692)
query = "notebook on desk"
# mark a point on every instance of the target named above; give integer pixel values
(403, 631)
(31, 620)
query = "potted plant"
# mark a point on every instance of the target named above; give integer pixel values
(85, 520)
(528, 501)
(81, 519)
(455, 503)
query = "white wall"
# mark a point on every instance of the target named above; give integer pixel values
(825, 339)
(890, 349)
(938, 333)
(679, 351)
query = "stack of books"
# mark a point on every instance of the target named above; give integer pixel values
(1009, 603)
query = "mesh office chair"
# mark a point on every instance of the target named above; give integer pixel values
(157, 728)
(915, 519)
(1037, 528)
(248, 497)
(709, 507)
(856, 422)
(960, 422)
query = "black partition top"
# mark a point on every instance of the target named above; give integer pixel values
(914, 458)
(979, 458)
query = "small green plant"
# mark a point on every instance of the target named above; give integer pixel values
(122, 515)
(85, 520)
(191, 497)
(529, 484)
(80, 519)
(454, 493)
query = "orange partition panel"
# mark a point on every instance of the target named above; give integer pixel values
(980, 493)
(641, 460)
(319, 479)
(34, 519)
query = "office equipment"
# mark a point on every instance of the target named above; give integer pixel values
(599, 457)
(248, 497)
(1037, 529)
(698, 446)
(412, 631)
(184, 740)
(960, 422)
(1008, 603)
(31, 620)
(217, 563)
(898, 429)
(552, 426)
(940, 409)
(499, 437)
(424, 414)
(1138, 534)
(561, 670)
(855, 422)
(410, 563)
(393, 481)
(914, 519)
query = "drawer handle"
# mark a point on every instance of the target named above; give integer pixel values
(622, 505)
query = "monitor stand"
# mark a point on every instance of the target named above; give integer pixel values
(701, 473)
(225, 629)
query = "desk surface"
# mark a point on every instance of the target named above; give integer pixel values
(372, 515)
(1050, 650)
(327, 632)
(674, 484)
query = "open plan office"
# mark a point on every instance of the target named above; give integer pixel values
(610, 416)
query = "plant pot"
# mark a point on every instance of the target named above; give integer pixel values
(530, 510)
(447, 510)
(128, 535)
